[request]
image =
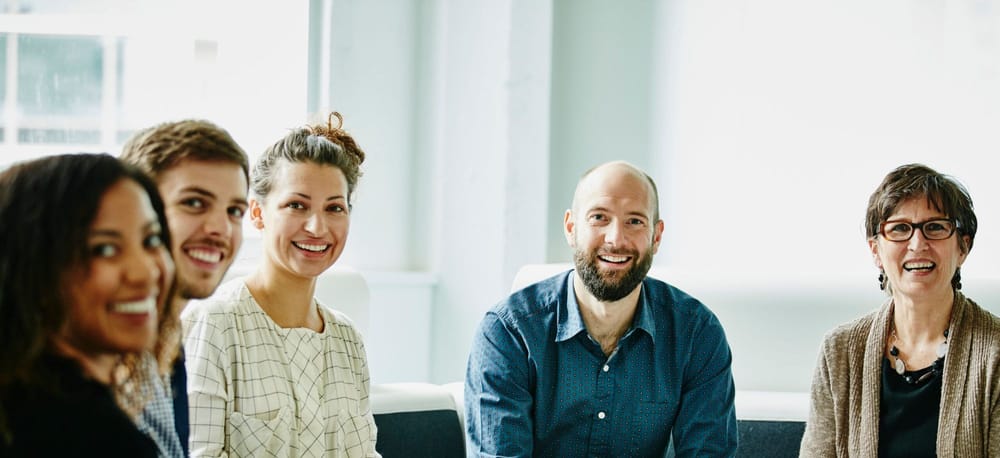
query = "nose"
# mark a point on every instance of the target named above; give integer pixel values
(218, 223)
(315, 224)
(917, 241)
(614, 234)
(143, 268)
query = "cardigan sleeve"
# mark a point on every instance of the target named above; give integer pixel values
(819, 438)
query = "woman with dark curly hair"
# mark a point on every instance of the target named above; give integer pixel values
(85, 277)
(272, 371)
(919, 376)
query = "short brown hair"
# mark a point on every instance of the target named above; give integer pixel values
(161, 147)
(943, 192)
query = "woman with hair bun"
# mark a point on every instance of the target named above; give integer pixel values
(272, 371)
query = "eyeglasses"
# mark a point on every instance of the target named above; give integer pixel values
(935, 229)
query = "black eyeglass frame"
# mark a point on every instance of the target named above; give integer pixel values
(914, 226)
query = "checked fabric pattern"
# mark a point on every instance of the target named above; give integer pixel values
(257, 389)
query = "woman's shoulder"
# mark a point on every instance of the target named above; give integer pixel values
(985, 325)
(854, 333)
(344, 323)
(85, 414)
(228, 298)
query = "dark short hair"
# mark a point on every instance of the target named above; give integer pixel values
(909, 181)
(323, 144)
(161, 147)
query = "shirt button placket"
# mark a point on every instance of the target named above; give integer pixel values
(601, 439)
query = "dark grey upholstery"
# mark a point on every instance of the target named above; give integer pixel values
(416, 434)
(769, 439)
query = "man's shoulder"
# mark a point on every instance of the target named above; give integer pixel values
(666, 297)
(537, 298)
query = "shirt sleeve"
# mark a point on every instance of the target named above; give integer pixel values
(706, 420)
(208, 381)
(498, 393)
(818, 438)
(364, 386)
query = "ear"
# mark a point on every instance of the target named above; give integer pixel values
(873, 246)
(964, 249)
(568, 226)
(256, 214)
(657, 235)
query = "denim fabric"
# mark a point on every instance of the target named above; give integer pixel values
(538, 385)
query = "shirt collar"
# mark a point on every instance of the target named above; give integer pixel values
(570, 323)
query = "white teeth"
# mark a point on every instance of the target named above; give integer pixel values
(205, 256)
(615, 258)
(146, 305)
(918, 265)
(310, 247)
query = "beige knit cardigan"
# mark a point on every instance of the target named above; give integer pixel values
(844, 408)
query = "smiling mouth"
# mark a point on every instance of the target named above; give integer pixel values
(210, 256)
(147, 305)
(613, 259)
(924, 266)
(310, 247)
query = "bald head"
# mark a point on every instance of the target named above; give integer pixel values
(615, 177)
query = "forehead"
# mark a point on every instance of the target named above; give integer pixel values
(299, 176)
(124, 202)
(616, 186)
(205, 174)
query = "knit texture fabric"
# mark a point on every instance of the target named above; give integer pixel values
(844, 408)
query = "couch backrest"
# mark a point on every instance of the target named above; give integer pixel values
(417, 420)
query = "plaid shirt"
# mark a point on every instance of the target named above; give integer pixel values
(258, 389)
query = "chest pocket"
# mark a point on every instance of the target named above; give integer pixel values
(351, 435)
(252, 436)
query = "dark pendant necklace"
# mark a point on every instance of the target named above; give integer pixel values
(900, 367)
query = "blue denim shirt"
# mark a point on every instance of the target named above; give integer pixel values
(538, 385)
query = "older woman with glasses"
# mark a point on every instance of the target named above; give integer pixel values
(920, 376)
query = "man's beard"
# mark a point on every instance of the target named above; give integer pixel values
(603, 286)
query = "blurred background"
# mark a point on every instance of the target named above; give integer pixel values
(766, 125)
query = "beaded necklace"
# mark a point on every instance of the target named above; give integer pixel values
(900, 367)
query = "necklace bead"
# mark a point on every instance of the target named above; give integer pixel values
(900, 366)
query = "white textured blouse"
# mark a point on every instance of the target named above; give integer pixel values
(256, 389)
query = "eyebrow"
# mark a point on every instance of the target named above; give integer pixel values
(207, 193)
(306, 196)
(116, 234)
(605, 210)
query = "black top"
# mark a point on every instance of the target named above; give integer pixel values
(71, 416)
(178, 385)
(908, 413)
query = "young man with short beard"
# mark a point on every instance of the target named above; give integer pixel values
(202, 175)
(602, 360)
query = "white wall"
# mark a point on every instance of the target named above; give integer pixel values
(756, 119)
